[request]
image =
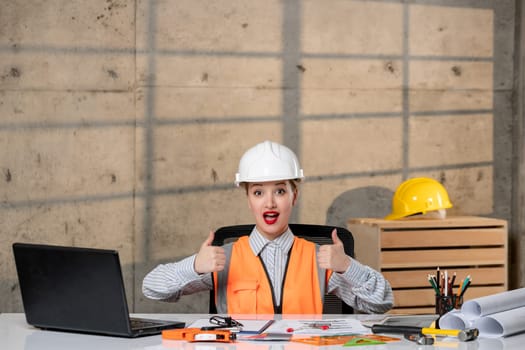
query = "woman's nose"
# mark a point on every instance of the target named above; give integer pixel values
(270, 201)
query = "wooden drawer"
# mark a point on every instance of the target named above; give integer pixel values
(407, 251)
(414, 278)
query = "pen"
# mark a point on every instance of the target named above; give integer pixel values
(322, 325)
(212, 328)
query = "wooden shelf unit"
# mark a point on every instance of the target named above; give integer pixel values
(406, 251)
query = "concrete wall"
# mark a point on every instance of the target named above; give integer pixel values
(518, 185)
(122, 122)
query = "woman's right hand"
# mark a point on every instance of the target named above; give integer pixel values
(209, 258)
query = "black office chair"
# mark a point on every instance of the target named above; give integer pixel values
(319, 234)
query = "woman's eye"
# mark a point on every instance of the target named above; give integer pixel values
(257, 193)
(280, 191)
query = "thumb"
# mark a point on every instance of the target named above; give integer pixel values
(335, 237)
(209, 240)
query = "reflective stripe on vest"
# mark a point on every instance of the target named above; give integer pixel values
(244, 288)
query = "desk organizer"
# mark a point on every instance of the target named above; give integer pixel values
(406, 251)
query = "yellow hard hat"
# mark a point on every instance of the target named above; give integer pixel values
(418, 196)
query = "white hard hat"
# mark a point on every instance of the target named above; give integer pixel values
(268, 161)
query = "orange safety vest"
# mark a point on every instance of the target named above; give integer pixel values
(243, 287)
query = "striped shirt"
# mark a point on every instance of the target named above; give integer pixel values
(360, 286)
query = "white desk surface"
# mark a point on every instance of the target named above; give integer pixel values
(16, 334)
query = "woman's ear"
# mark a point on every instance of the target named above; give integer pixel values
(295, 196)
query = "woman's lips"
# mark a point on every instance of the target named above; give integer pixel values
(270, 217)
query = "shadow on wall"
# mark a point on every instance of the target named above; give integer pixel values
(369, 202)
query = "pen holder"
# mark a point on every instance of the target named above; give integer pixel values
(446, 303)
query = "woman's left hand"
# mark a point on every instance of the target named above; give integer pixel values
(333, 256)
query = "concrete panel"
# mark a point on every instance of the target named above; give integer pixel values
(223, 25)
(447, 100)
(181, 222)
(146, 259)
(49, 25)
(209, 70)
(319, 197)
(48, 109)
(451, 75)
(344, 101)
(470, 189)
(179, 161)
(55, 70)
(192, 103)
(351, 145)
(352, 27)
(171, 240)
(451, 31)
(59, 163)
(446, 140)
(104, 224)
(351, 74)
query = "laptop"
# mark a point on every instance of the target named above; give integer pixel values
(78, 290)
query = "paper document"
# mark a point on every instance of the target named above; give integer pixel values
(319, 327)
(497, 315)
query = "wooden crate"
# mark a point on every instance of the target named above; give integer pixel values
(406, 251)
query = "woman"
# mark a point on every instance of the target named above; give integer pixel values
(271, 270)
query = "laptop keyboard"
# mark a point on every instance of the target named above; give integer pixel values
(137, 323)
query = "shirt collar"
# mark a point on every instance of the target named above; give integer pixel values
(258, 241)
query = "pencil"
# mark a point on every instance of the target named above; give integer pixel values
(460, 288)
(445, 284)
(465, 288)
(432, 283)
(465, 282)
(452, 282)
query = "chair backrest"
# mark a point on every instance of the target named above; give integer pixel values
(319, 234)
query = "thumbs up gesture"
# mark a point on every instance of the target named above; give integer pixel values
(209, 258)
(332, 256)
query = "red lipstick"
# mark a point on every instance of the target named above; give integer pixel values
(270, 217)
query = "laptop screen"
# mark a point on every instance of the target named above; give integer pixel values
(69, 288)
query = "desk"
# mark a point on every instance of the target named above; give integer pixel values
(16, 334)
